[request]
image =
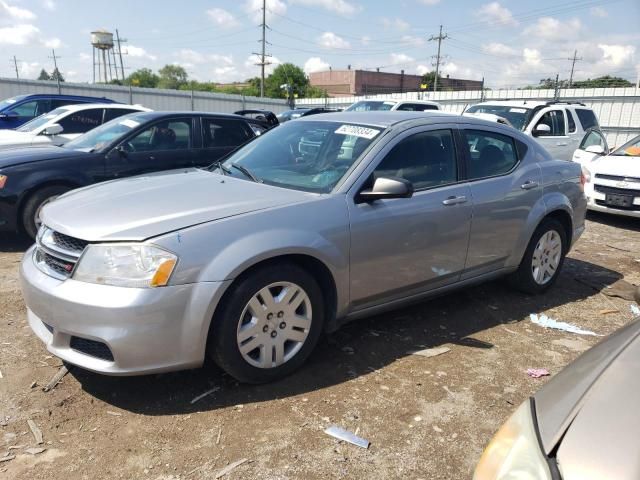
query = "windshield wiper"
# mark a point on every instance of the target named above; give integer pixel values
(224, 170)
(247, 172)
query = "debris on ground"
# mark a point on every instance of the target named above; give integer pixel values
(635, 310)
(219, 434)
(7, 458)
(37, 433)
(56, 379)
(115, 414)
(547, 322)
(229, 468)
(201, 396)
(431, 352)
(347, 436)
(35, 451)
(537, 372)
(608, 311)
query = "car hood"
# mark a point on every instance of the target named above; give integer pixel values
(16, 156)
(589, 411)
(623, 166)
(145, 206)
(13, 137)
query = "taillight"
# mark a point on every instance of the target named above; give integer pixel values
(585, 177)
(3, 180)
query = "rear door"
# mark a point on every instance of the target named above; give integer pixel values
(220, 136)
(161, 145)
(505, 184)
(77, 123)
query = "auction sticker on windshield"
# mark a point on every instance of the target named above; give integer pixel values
(518, 110)
(127, 122)
(357, 131)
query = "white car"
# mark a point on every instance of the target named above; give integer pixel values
(613, 179)
(64, 123)
(557, 126)
(392, 104)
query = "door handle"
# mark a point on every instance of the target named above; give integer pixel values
(528, 185)
(454, 200)
(152, 158)
(562, 144)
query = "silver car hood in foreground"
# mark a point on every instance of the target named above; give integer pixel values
(141, 207)
(589, 411)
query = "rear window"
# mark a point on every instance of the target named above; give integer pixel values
(587, 118)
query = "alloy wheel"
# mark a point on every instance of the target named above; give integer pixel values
(546, 257)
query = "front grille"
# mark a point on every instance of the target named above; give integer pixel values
(69, 243)
(616, 191)
(59, 266)
(91, 348)
(617, 178)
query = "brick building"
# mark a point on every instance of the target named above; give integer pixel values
(346, 83)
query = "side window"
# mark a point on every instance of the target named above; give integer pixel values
(555, 120)
(27, 109)
(83, 121)
(416, 107)
(111, 113)
(168, 135)
(490, 154)
(223, 132)
(426, 159)
(62, 103)
(587, 118)
(592, 138)
(571, 121)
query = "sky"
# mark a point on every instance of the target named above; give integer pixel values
(507, 42)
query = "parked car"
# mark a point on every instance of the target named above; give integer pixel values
(130, 145)
(613, 183)
(304, 112)
(391, 104)
(263, 120)
(558, 126)
(20, 109)
(489, 116)
(582, 425)
(252, 259)
(63, 124)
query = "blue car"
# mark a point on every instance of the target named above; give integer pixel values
(20, 109)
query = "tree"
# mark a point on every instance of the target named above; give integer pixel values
(429, 79)
(143, 77)
(172, 76)
(286, 74)
(44, 75)
(56, 75)
(601, 82)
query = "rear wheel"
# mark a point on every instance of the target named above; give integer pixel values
(31, 212)
(543, 259)
(268, 324)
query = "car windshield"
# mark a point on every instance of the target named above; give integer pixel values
(629, 149)
(38, 122)
(305, 155)
(369, 105)
(105, 134)
(518, 117)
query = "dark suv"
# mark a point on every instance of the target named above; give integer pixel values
(17, 110)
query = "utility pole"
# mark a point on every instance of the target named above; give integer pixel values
(56, 71)
(573, 64)
(15, 64)
(439, 38)
(118, 40)
(263, 63)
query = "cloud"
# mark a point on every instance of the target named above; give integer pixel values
(400, 59)
(52, 42)
(274, 8)
(84, 57)
(395, 24)
(552, 29)
(599, 12)
(496, 14)
(49, 5)
(458, 71)
(193, 58)
(29, 69)
(12, 13)
(19, 35)
(365, 40)
(139, 52)
(499, 49)
(341, 7)
(429, 3)
(617, 55)
(422, 69)
(315, 64)
(222, 18)
(413, 41)
(331, 40)
(253, 70)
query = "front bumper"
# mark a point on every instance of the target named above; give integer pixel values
(594, 197)
(147, 330)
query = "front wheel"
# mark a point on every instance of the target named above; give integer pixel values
(543, 259)
(31, 212)
(267, 324)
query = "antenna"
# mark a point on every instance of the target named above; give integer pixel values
(439, 38)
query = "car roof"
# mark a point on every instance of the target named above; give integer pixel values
(56, 95)
(514, 103)
(398, 100)
(86, 106)
(154, 114)
(387, 119)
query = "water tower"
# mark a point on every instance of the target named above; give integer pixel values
(102, 42)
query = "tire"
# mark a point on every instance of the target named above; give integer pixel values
(282, 340)
(527, 278)
(35, 202)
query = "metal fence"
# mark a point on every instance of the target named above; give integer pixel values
(154, 98)
(618, 109)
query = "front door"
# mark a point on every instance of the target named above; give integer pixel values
(401, 247)
(556, 141)
(592, 139)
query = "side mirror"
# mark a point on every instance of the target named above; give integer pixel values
(9, 114)
(386, 187)
(122, 152)
(597, 149)
(55, 129)
(541, 129)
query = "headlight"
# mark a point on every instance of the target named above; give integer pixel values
(136, 266)
(514, 452)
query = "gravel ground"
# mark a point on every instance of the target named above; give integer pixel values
(425, 417)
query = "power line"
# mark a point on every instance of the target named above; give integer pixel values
(439, 38)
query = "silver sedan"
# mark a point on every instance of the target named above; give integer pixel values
(315, 223)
